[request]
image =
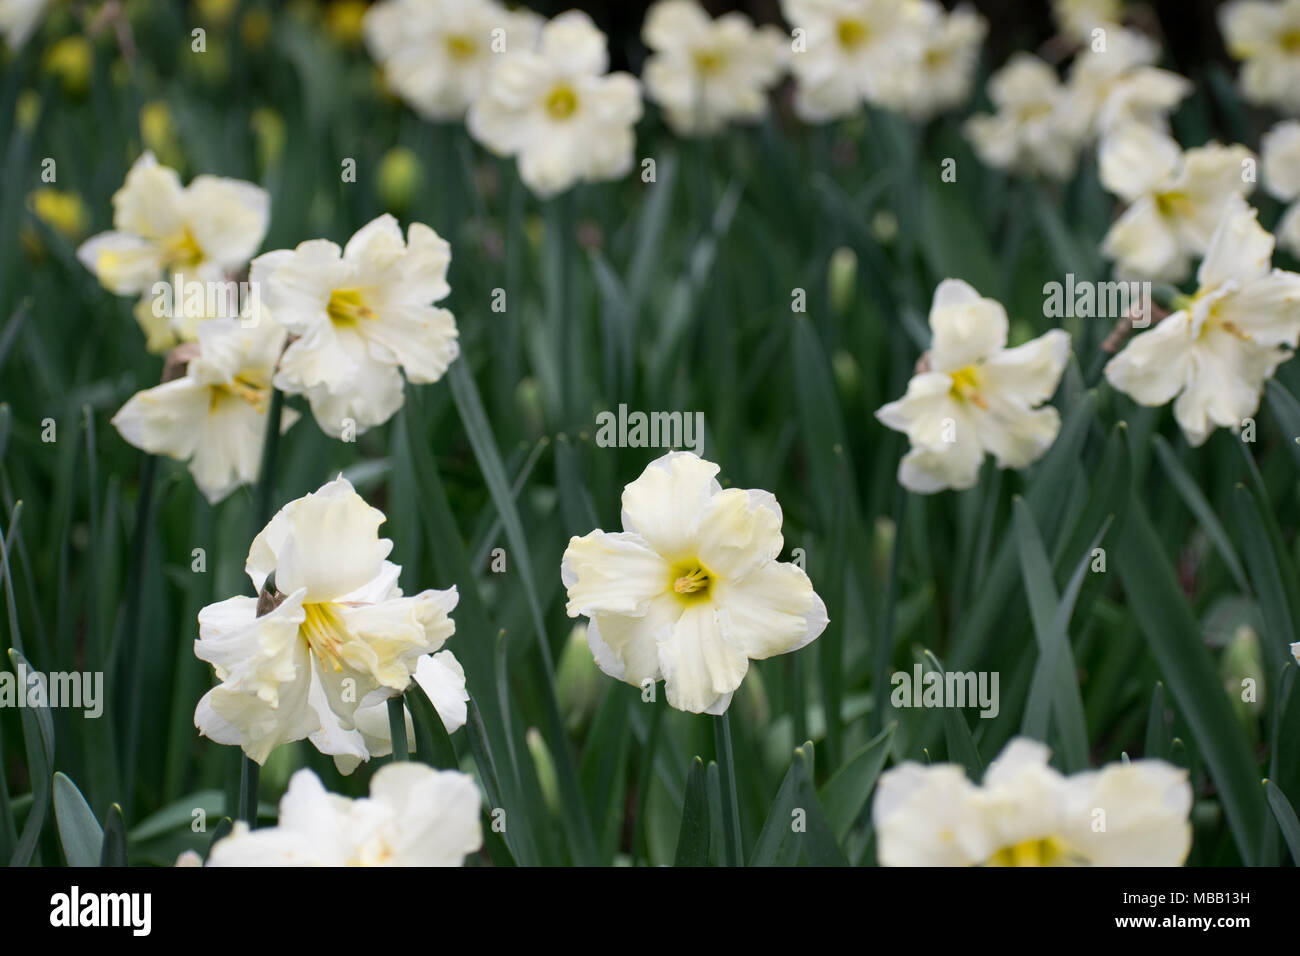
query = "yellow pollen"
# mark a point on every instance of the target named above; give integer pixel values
(707, 61)
(1173, 204)
(181, 250)
(1290, 41)
(346, 307)
(461, 47)
(965, 386)
(1047, 851)
(691, 580)
(561, 102)
(324, 631)
(245, 388)
(851, 33)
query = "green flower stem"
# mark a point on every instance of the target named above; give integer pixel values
(730, 805)
(397, 728)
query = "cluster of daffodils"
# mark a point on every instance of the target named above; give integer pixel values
(414, 816)
(1025, 813)
(691, 589)
(344, 328)
(329, 639)
(972, 395)
(1265, 36)
(1217, 351)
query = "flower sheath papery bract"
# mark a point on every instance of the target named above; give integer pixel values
(1266, 36)
(359, 315)
(1033, 130)
(204, 231)
(691, 589)
(414, 816)
(977, 396)
(1280, 164)
(705, 72)
(1175, 199)
(437, 54)
(557, 110)
(213, 416)
(1217, 352)
(341, 638)
(1025, 813)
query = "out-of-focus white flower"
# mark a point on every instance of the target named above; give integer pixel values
(359, 315)
(20, 18)
(977, 395)
(1076, 19)
(213, 416)
(1266, 36)
(1295, 651)
(1175, 199)
(1027, 814)
(1216, 353)
(441, 678)
(437, 54)
(846, 52)
(414, 816)
(691, 589)
(946, 52)
(341, 637)
(1032, 130)
(558, 111)
(1281, 167)
(705, 72)
(205, 230)
(1114, 81)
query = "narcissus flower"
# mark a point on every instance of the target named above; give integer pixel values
(337, 636)
(976, 395)
(1025, 813)
(691, 589)
(1076, 19)
(359, 315)
(1266, 36)
(1115, 82)
(706, 73)
(558, 111)
(214, 415)
(1281, 167)
(203, 231)
(414, 816)
(845, 52)
(20, 18)
(1175, 199)
(1033, 130)
(437, 54)
(945, 51)
(1219, 349)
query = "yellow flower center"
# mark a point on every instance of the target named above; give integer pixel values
(245, 387)
(965, 386)
(1174, 204)
(707, 61)
(346, 307)
(181, 250)
(1047, 851)
(325, 633)
(562, 102)
(1290, 41)
(852, 33)
(1033, 111)
(691, 580)
(460, 47)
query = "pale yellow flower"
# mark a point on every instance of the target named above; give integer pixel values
(1266, 37)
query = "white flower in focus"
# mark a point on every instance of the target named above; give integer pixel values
(691, 589)
(946, 51)
(213, 416)
(1118, 83)
(20, 18)
(977, 396)
(850, 50)
(1076, 19)
(1216, 353)
(1175, 199)
(706, 73)
(437, 54)
(341, 637)
(414, 816)
(204, 231)
(1032, 131)
(359, 314)
(1025, 813)
(1266, 36)
(1281, 167)
(558, 111)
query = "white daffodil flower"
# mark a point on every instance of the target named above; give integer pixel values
(204, 231)
(20, 18)
(691, 589)
(1032, 131)
(340, 637)
(415, 816)
(1216, 352)
(1175, 199)
(437, 54)
(441, 678)
(359, 314)
(977, 395)
(846, 52)
(705, 72)
(1076, 19)
(1116, 82)
(1281, 167)
(1266, 36)
(213, 416)
(945, 47)
(1295, 651)
(558, 110)
(1025, 813)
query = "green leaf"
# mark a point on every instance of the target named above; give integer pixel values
(961, 745)
(777, 842)
(846, 794)
(1266, 577)
(1287, 409)
(38, 737)
(1155, 746)
(79, 831)
(114, 849)
(1201, 509)
(693, 837)
(1286, 818)
(432, 743)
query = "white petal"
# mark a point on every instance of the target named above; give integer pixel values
(698, 663)
(966, 326)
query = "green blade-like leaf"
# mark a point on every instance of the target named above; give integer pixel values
(1284, 813)
(693, 837)
(113, 852)
(432, 743)
(1196, 502)
(846, 794)
(79, 831)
